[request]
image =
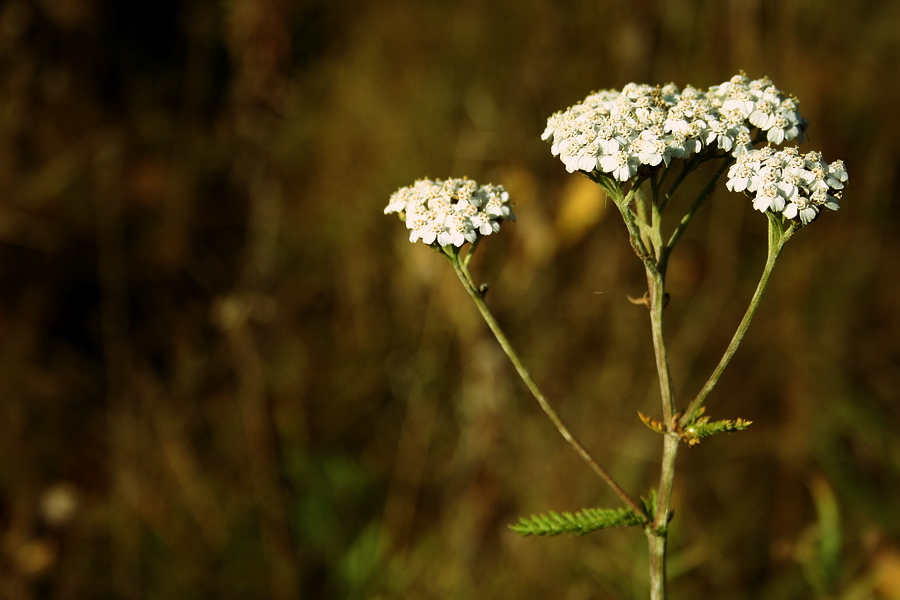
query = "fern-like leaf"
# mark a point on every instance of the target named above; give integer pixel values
(653, 424)
(701, 427)
(579, 523)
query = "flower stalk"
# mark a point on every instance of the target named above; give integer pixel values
(778, 237)
(462, 271)
(657, 531)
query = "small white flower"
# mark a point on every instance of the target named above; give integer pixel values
(739, 101)
(620, 165)
(650, 148)
(740, 176)
(786, 182)
(763, 115)
(837, 175)
(451, 212)
(768, 198)
(779, 128)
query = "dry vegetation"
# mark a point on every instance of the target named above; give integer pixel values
(224, 374)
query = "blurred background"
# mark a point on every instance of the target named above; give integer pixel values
(225, 374)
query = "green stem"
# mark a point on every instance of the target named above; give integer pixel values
(657, 531)
(778, 237)
(635, 229)
(685, 169)
(698, 202)
(657, 545)
(469, 254)
(466, 279)
(656, 283)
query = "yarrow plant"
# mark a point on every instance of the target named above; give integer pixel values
(639, 144)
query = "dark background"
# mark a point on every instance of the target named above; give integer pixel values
(225, 374)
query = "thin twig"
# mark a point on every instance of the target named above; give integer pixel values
(698, 202)
(777, 239)
(466, 279)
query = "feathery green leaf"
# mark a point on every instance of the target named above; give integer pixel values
(579, 523)
(701, 427)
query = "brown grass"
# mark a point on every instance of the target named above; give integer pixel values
(223, 373)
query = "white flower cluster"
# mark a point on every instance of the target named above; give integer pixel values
(618, 131)
(788, 182)
(451, 212)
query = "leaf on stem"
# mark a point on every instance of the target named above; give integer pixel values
(652, 423)
(701, 427)
(580, 523)
(645, 299)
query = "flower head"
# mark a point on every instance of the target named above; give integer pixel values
(787, 182)
(616, 132)
(451, 212)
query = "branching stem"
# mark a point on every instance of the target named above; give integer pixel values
(462, 272)
(643, 219)
(698, 202)
(778, 237)
(657, 530)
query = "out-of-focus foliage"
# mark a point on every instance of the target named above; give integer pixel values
(224, 373)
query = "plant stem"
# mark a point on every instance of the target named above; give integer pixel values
(685, 170)
(657, 545)
(656, 283)
(698, 202)
(657, 531)
(777, 239)
(646, 221)
(463, 273)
